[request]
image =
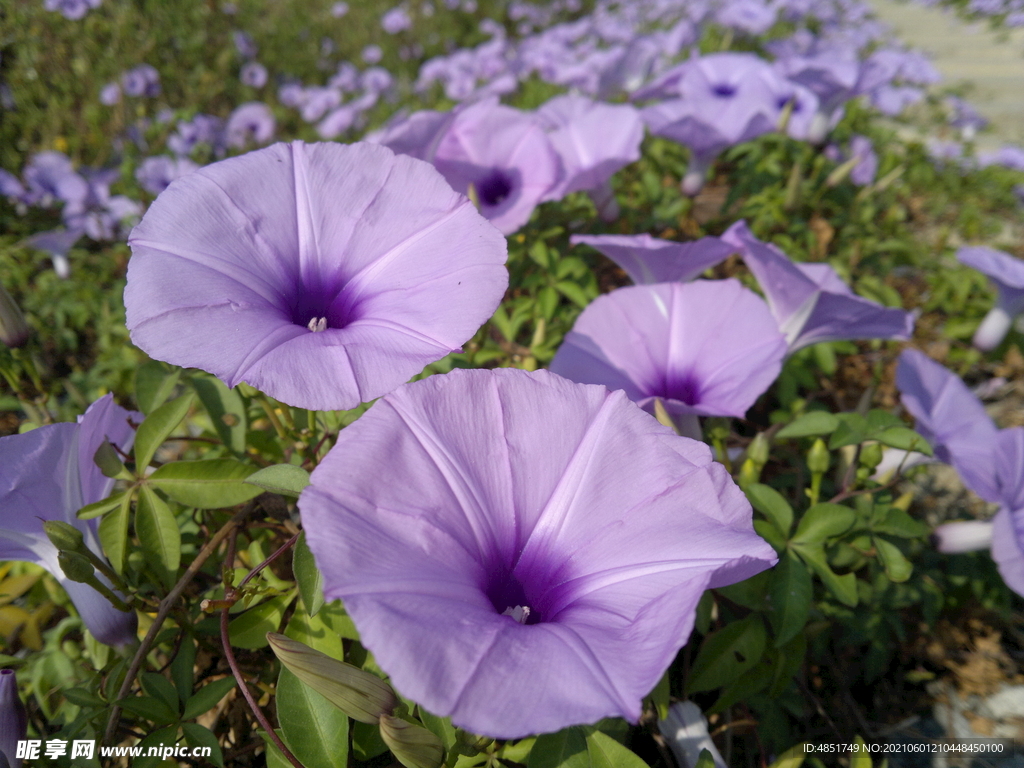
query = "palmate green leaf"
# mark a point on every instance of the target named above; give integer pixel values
(154, 382)
(207, 697)
(308, 577)
(157, 427)
(156, 738)
(823, 521)
(285, 479)
(812, 424)
(249, 630)
(772, 505)
(315, 730)
(150, 708)
(113, 532)
(210, 484)
(101, 507)
(896, 565)
(573, 292)
(843, 587)
(199, 736)
(226, 409)
(788, 661)
(853, 429)
(899, 523)
(182, 668)
(791, 593)
(158, 532)
(159, 687)
(727, 654)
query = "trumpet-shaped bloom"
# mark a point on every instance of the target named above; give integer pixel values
(1007, 274)
(810, 302)
(49, 474)
(520, 552)
(649, 259)
(990, 461)
(707, 348)
(325, 275)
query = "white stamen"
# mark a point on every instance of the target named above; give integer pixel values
(520, 613)
(317, 324)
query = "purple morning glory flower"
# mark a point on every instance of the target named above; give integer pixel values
(864, 171)
(142, 80)
(505, 155)
(337, 122)
(71, 9)
(49, 474)
(396, 20)
(13, 718)
(706, 348)
(323, 274)
(1007, 156)
(10, 187)
(810, 302)
(110, 94)
(201, 129)
(100, 214)
(593, 141)
(522, 553)
(416, 135)
(649, 259)
(317, 101)
(372, 54)
(154, 174)
(1007, 274)
(245, 45)
(751, 16)
(57, 243)
(250, 122)
(339, 9)
(49, 176)
(253, 74)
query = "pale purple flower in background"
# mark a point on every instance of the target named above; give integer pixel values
(965, 117)
(13, 719)
(593, 141)
(751, 16)
(706, 348)
(71, 9)
(49, 474)
(110, 94)
(292, 94)
(417, 134)
(245, 45)
(630, 69)
(649, 260)
(1007, 156)
(100, 214)
(10, 186)
(323, 274)
(346, 78)
(49, 177)
(376, 80)
(505, 155)
(142, 80)
(864, 171)
(250, 122)
(372, 54)
(57, 243)
(1006, 273)
(810, 302)
(318, 101)
(337, 122)
(521, 585)
(833, 75)
(396, 20)
(254, 74)
(339, 9)
(154, 174)
(893, 99)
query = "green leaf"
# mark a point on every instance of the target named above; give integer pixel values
(226, 409)
(154, 382)
(149, 708)
(791, 593)
(899, 523)
(727, 654)
(878, 420)
(198, 736)
(843, 587)
(788, 661)
(207, 697)
(705, 759)
(772, 505)
(210, 484)
(896, 565)
(182, 668)
(753, 682)
(572, 292)
(113, 533)
(606, 752)
(565, 749)
(315, 730)
(750, 593)
(164, 736)
(249, 629)
(823, 521)
(366, 741)
(440, 726)
(308, 577)
(315, 632)
(158, 531)
(661, 696)
(412, 745)
(767, 531)
(157, 427)
(905, 439)
(285, 479)
(101, 507)
(853, 429)
(159, 687)
(811, 424)
(83, 698)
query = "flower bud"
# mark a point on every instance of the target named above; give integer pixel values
(360, 695)
(76, 567)
(871, 456)
(758, 450)
(818, 457)
(412, 744)
(64, 536)
(14, 331)
(13, 719)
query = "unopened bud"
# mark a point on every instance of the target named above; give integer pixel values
(749, 474)
(413, 745)
(76, 567)
(360, 695)
(758, 450)
(64, 536)
(818, 457)
(107, 460)
(871, 456)
(14, 331)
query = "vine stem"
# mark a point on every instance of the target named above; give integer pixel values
(165, 609)
(230, 597)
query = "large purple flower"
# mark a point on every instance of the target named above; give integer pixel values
(810, 302)
(520, 552)
(325, 275)
(707, 348)
(1007, 274)
(649, 259)
(49, 474)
